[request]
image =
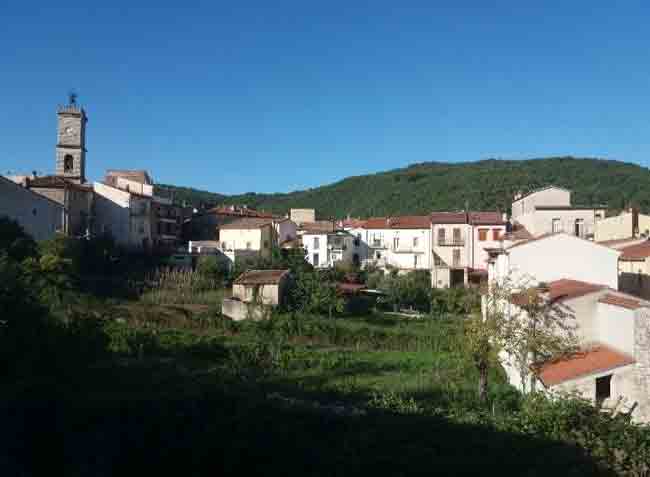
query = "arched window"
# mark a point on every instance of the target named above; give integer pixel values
(68, 163)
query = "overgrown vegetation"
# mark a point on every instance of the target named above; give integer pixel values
(482, 185)
(93, 385)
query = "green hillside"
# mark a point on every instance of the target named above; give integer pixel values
(487, 184)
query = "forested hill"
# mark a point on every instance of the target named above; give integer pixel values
(421, 188)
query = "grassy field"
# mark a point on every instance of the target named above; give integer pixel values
(178, 388)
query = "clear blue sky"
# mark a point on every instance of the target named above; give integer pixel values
(275, 96)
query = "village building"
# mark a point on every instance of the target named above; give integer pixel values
(634, 269)
(206, 225)
(40, 217)
(255, 292)
(549, 210)
(68, 186)
(326, 249)
(401, 243)
(300, 216)
(459, 241)
(628, 224)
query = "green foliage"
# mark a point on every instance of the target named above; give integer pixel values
(314, 292)
(486, 184)
(14, 241)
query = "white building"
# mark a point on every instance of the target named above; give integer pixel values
(460, 240)
(325, 249)
(628, 224)
(126, 216)
(402, 243)
(549, 210)
(39, 216)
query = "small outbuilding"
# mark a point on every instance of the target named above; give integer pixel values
(256, 291)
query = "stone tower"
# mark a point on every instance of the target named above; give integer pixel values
(71, 141)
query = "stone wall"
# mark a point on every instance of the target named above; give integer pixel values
(238, 310)
(642, 356)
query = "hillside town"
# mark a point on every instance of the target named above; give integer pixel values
(595, 264)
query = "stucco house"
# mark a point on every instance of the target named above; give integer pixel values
(460, 240)
(402, 243)
(206, 225)
(634, 269)
(255, 292)
(628, 224)
(248, 235)
(549, 210)
(612, 365)
(324, 250)
(39, 216)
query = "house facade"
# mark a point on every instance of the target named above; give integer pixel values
(247, 236)
(402, 243)
(634, 269)
(460, 240)
(325, 250)
(39, 216)
(255, 292)
(549, 210)
(628, 224)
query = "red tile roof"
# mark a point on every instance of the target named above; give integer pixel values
(558, 290)
(56, 182)
(599, 358)
(622, 301)
(639, 251)
(449, 218)
(261, 277)
(246, 223)
(615, 243)
(486, 218)
(320, 226)
(473, 217)
(351, 223)
(399, 222)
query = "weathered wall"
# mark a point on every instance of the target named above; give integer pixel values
(39, 216)
(300, 216)
(548, 197)
(237, 310)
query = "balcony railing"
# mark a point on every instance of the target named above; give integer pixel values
(451, 242)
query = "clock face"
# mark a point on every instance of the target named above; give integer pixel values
(68, 131)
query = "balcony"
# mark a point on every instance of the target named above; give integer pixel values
(378, 244)
(406, 249)
(450, 242)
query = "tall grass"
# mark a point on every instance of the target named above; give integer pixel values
(166, 286)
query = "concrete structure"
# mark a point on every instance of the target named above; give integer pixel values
(634, 269)
(552, 257)
(123, 215)
(324, 250)
(300, 216)
(612, 366)
(628, 224)
(460, 240)
(255, 292)
(250, 234)
(39, 216)
(206, 225)
(402, 243)
(549, 210)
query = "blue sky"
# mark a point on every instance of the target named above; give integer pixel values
(276, 96)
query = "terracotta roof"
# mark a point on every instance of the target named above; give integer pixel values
(472, 217)
(238, 212)
(55, 182)
(518, 232)
(559, 290)
(599, 358)
(350, 288)
(351, 223)
(246, 223)
(320, 226)
(620, 243)
(140, 176)
(638, 251)
(622, 301)
(261, 277)
(400, 222)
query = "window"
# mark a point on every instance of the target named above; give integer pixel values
(248, 245)
(378, 255)
(395, 243)
(34, 212)
(315, 260)
(482, 235)
(456, 258)
(579, 227)
(437, 260)
(557, 227)
(316, 243)
(603, 388)
(266, 244)
(415, 261)
(496, 234)
(415, 242)
(441, 236)
(357, 240)
(457, 235)
(68, 163)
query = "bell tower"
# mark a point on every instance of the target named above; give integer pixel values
(71, 141)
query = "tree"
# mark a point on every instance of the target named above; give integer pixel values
(542, 329)
(314, 293)
(525, 323)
